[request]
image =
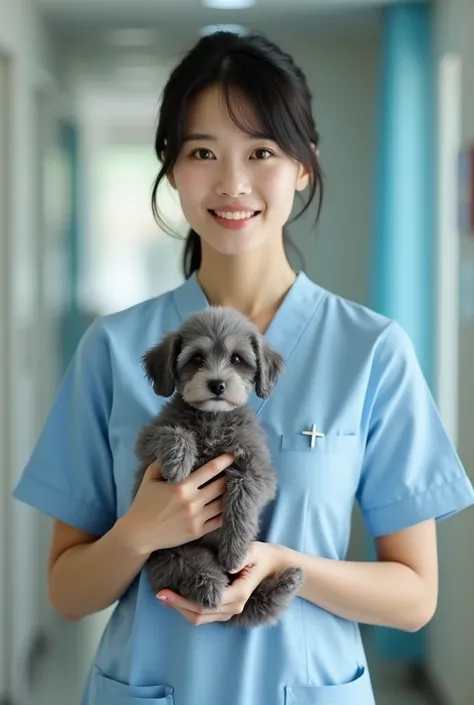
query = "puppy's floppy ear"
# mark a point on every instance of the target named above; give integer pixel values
(270, 364)
(159, 364)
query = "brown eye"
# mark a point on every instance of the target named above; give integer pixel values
(235, 359)
(196, 359)
(202, 154)
(263, 154)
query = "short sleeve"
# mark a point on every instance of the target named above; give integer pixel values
(69, 475)
(411, 471)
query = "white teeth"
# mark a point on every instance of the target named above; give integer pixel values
(234, 216)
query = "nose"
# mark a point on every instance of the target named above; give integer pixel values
(233, 182)
(217, 386)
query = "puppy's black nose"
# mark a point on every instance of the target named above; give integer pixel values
(217, 386)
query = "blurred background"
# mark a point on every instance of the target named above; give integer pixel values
(80, 85)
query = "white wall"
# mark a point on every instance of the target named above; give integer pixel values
(451, 635)
(343, 77)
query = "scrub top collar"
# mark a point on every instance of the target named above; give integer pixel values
(297, 310)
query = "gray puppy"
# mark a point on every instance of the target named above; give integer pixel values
(214, 361)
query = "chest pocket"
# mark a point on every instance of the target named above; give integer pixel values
(329, 470)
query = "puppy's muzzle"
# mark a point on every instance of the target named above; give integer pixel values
(217, 387)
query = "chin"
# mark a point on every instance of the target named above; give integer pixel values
(235, 244)
(213, 405)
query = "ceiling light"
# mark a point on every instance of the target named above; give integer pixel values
(228, 4)
(213, 28)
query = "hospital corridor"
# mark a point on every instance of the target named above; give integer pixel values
(392, 84)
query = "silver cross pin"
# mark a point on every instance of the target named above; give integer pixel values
(314, 434)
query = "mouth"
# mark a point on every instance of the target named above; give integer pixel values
(214, 403)
(233, 220)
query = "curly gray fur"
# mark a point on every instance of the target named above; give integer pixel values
(213, 362)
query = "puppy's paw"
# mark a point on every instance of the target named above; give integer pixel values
(290, 580)
(207, 590)
(232, 556)
(176, 452)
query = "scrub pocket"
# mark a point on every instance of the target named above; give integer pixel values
(356, 692)
(105, 691)
(330, 470)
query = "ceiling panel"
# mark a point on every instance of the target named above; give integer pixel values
(86, 13)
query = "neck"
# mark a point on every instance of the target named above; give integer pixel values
(254, 283)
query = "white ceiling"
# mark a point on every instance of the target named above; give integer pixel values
(82, 28)
(80, 15)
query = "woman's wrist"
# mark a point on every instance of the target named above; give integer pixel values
(285, 557)
(126, 535)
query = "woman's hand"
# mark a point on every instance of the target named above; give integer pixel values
(164, 515)
(262, 560)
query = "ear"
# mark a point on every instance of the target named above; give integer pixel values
(270, 364)
(302, 180)
(159, 364)
(169, 175)
(171, 180)
(304, 172)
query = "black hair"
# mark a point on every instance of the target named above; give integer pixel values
(277, 89)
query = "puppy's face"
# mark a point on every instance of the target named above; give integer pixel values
(214, 361)
(216, 373)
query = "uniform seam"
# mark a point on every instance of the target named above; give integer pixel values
(71, 495)
(428, 490)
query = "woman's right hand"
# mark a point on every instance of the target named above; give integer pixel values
(164, 515)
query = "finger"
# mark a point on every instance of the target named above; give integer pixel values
(212, 524)
(248, 564)
(191, 608)
(175, 600)
(198, 619)
(213, 509)
(153, 472)
(208, 471)
(241, 588)
(213, 490)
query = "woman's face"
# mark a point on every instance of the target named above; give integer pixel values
(236, 190)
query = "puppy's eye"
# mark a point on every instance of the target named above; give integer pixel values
(235, 359)
(196, 359)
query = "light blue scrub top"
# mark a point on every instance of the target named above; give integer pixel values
(353, 374)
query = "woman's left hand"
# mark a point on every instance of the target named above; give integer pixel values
(261, 561)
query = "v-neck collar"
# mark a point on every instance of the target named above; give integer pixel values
(287, 326)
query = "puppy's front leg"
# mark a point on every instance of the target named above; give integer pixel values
(173, 446)
(248, 489)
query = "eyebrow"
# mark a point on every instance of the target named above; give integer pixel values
(203, 137)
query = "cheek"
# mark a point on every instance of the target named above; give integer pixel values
(278, 190)
(191, 187)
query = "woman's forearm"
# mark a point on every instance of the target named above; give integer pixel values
(380, 593)
(89, 578)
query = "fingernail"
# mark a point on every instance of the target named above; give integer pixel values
(162, 598)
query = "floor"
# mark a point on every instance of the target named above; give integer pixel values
(68, 661)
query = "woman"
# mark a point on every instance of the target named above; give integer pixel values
(351, 419)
